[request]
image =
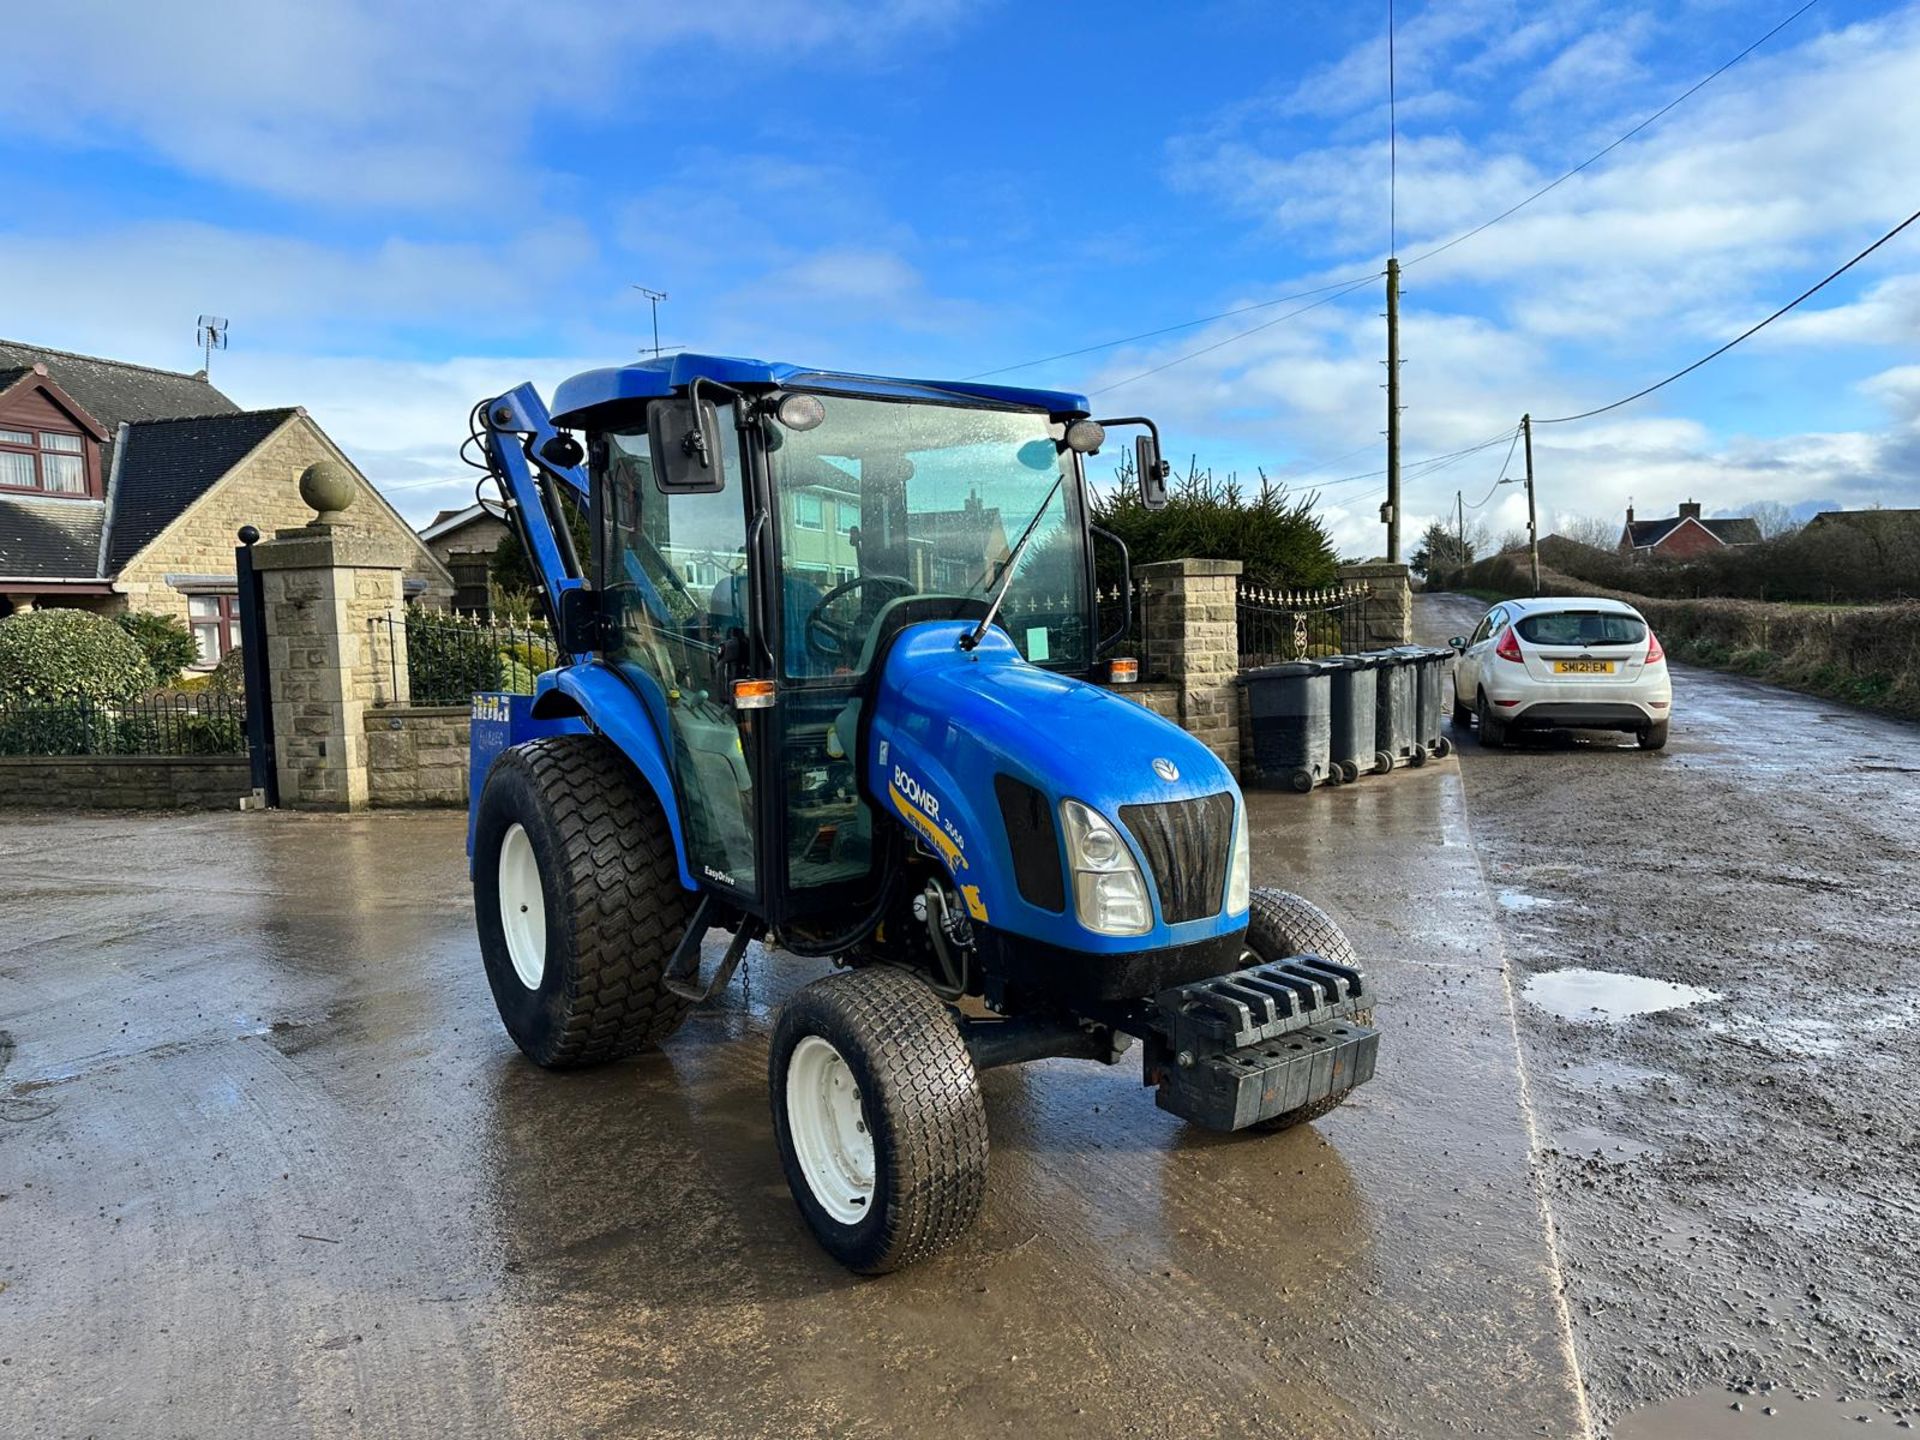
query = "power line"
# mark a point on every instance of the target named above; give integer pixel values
(1743, 335)
(1601, 154)
(1503, 472)
(1170, 329)
(1237, 335)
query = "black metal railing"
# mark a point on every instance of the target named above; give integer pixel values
(1277, 624)
(450, 658)
(206, 722)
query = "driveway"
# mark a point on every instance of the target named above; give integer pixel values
(268, 1165)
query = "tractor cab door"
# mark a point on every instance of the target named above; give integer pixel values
(677, 592)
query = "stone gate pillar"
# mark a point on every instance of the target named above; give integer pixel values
(1387, 616)
(329, 591)
(1193, 639)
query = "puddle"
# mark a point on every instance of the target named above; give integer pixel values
(1586, 1140)
(1712, 1417)
(1518, 900)
(1597, 997)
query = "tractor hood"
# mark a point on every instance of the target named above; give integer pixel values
(973, 751)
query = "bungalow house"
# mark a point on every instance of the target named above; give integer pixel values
(1683, 536)
(464, 542)
(122, 487)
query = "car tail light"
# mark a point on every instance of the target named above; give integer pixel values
(1509, 646)
(1654, 653)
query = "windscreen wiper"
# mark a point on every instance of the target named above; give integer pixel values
(1013, 565)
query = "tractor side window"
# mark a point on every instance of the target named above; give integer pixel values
(675, 579)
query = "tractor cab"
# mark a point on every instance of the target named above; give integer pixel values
(760, 534)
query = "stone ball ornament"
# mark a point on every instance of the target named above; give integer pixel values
(328, 486)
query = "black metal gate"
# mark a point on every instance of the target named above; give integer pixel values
(253, 661)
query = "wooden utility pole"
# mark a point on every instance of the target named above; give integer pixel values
(1460, 523)
(1393, 409)
(1533, 524)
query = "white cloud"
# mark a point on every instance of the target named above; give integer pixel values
(357, 103)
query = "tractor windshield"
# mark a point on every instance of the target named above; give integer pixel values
(884, 499)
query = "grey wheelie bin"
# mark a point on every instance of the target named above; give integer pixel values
(1431, 668)
(1354, 681)
(1289, 709)
(1396, 707)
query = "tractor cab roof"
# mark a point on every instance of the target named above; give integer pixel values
(669, 374)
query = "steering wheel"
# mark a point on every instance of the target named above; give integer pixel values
(835, 641)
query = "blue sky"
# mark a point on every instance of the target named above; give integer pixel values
(404, 206)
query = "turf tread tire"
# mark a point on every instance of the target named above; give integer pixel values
(1280, 924)
(615, 906)
(922, 1103)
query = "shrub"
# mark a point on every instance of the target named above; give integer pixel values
(448, 658)
(169, 645)
(1276, 537)
(59, 655)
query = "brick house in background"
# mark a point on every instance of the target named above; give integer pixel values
(1683, 536)
(122, 487)
(464, 542)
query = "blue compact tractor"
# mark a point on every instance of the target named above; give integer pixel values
(831, 645)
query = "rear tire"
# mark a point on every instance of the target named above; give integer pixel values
(1493, 731)
(577, 894)
(1278, 925)
(1654, 737)
(878, 1116)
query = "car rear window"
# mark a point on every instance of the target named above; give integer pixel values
(1582, 627)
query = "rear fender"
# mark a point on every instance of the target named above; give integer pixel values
(574, 700)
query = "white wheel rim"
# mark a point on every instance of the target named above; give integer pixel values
(523, 907)
(829, 1129)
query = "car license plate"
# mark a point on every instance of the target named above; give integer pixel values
(1583, 667)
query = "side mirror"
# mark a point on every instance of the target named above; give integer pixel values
(1458, 642)
(1153, 471)
(687, 454)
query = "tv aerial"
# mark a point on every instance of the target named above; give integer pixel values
(212, 336)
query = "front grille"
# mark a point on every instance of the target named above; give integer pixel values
(1187, 844)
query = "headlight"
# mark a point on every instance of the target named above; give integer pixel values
(1109, 894)
(1240, 875)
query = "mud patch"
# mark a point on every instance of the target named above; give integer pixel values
(1601, 997)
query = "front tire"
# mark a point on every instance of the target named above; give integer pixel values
(878, 1116)
(577, 895)
(1280, 924)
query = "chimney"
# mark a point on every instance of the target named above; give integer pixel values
(1690, 510)
(1629, 510)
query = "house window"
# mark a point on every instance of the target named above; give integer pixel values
(46, 460)
(846, 515)
(215, 622)
(807, 512)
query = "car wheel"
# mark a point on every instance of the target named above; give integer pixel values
(1493, 730)
(1462, 715)
(1654, 737)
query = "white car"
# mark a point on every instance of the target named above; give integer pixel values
(1562, 663)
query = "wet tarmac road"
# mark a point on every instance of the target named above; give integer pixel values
(1731, 1139)
(268, 1165)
